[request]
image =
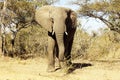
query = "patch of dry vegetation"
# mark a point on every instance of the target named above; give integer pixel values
(31, 41)
(104, 46)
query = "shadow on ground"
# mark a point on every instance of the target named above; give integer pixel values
(78, 66)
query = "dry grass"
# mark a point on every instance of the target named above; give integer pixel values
(32, 41)
(102, 47)
(105, 46)
(35, 69)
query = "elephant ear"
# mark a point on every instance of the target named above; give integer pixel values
(42, 16)
(71, 20)
(73, 17)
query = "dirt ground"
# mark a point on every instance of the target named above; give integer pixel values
(35, 69)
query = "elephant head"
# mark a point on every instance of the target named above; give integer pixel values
(58, 21)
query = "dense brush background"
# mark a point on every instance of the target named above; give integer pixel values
(104, 46)
(32, 40)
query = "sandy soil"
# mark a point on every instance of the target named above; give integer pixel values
(35, 69)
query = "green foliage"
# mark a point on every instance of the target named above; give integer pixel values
(24, 10)
(103, 9)
(30, 40)
(1, 5)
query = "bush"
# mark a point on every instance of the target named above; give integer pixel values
(80, 44)
(31, 41)
(104, 46)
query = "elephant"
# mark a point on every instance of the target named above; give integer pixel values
(61, 24)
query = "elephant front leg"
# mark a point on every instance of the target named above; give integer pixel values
(51, 57)
(61, 47)
(57, 62)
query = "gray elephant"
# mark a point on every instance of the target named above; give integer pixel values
(61, 26)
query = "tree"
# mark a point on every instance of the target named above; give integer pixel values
(6, 20)
(108, 11)
(17, 14)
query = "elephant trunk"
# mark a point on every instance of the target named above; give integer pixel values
(61, 47)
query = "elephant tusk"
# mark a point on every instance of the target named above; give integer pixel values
(66, 33)
(53, 32)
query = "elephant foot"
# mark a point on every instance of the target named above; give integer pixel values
(63, 64)
(57, 66)
(51, 69)
(68, 63)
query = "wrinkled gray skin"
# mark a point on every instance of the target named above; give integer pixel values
(61, 25)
